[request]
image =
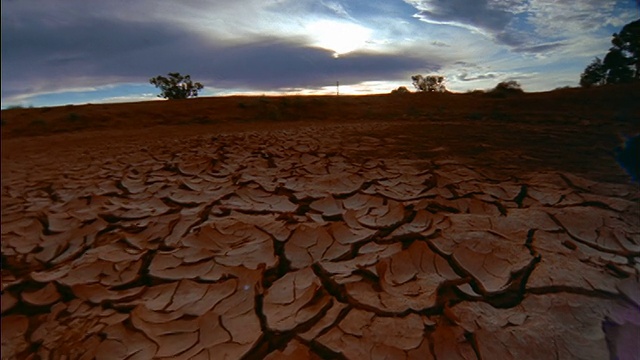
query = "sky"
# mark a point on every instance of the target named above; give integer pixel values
(60, 52)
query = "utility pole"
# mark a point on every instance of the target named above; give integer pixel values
(337, 88)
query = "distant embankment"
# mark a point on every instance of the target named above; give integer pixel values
(608, 103)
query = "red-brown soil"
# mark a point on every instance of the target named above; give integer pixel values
(413, 226)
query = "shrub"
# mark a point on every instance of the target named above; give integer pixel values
(509, 86)
(400, 90)
(506, 88)
(73, 117)
(38, 122)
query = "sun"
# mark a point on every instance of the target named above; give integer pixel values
(339, 37)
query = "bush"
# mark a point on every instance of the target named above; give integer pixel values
(73, 117)
(38, 122)
(176, 86)
(400, 90)
(505, 88)
(509, 86)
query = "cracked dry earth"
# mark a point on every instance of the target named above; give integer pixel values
(311, 243)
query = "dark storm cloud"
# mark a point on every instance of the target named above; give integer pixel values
(39, 50)
(272, 64)
(100, 51)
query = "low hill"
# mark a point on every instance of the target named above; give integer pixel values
(601, 104)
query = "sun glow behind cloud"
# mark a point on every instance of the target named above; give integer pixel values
(337, 36)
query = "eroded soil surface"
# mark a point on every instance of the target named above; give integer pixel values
(353, 241)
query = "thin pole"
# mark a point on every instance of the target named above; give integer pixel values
(338, 88)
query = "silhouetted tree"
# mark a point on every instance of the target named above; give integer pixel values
(622, 62)
(595, 74)
(429, 83)
(176, 86)
(617, 65)
(628, 43)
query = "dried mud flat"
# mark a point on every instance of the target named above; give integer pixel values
(330, 241)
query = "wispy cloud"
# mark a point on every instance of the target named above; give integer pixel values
(467, 77)
(525, 25)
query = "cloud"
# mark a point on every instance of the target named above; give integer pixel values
(262, 45)
(561, 18)
(340, 37)
(527, 26)
(478, 15)
(96, 51)
(494, 19)
(337, 8)
(271, 64)
(440, 44)
(541, 48)
(466, 77)
(52, 46)
(42, 55)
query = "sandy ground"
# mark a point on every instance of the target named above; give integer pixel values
(447, 236)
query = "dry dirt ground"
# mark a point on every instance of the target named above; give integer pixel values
(386, 227)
